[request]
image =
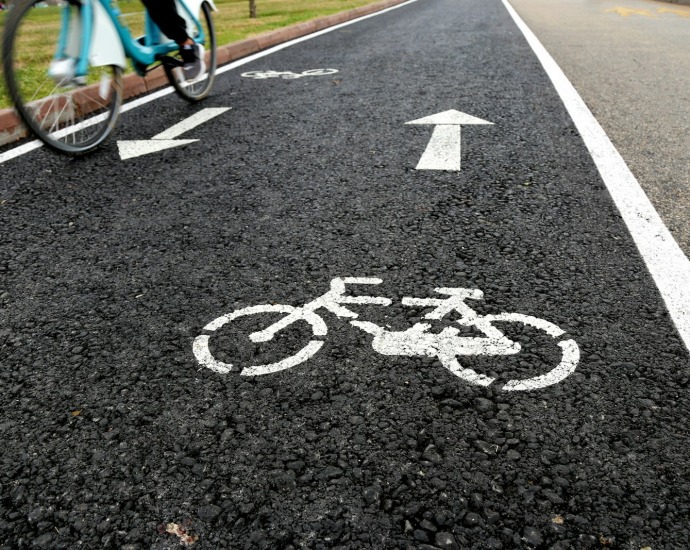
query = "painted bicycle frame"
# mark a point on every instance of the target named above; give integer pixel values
(91, 29)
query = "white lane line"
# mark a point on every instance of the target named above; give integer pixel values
(667, 263)
(19, 151)
(28, 147)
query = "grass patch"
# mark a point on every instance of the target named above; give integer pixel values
(232, 23)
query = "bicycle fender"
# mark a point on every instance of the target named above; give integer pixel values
(106, 45)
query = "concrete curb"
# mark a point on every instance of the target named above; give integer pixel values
(11, 128)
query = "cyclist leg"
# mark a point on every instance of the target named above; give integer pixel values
(164, 14)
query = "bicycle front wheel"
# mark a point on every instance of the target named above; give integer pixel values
(67, 116)
(198, 90)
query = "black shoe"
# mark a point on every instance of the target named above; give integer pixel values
(193, 58)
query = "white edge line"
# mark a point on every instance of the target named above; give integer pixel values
(666, 262)
(32, 145)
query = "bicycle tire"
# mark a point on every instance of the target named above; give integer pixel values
(71, 121)
(196, 91)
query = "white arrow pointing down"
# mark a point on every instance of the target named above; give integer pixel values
(166, 139)
(443, 151)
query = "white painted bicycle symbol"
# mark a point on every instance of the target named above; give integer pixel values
(417, 341)
(288, 75)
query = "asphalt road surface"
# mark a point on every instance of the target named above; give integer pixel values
(400, 432)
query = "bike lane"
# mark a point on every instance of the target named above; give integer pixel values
(113, 268)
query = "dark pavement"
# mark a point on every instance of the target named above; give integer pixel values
(110, 269)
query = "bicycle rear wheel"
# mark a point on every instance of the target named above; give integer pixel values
(203, 354)
(68, 117)
(196, 91)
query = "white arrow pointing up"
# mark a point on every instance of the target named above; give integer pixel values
(443, 151)
(166, 139)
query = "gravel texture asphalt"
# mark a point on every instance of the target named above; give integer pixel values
(111, 429)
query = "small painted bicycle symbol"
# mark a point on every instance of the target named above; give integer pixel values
(288, 75)
(417, 341)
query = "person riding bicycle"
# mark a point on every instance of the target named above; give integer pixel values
(164, 14)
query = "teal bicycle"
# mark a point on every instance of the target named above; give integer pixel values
(64, 71)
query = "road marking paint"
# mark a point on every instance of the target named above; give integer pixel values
(305, 353)
(331, 301)
(136, 148)
(319, 328)
(203, 355)
(666, 262)
(571, 357)
(443, 150)
(417, 341)
(166, 139)
(31, 146)
(21, 150)
(446, 346)
(287, 75)
(191, 122)
(627, 12)
(681, 13)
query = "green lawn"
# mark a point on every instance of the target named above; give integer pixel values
(232, 23)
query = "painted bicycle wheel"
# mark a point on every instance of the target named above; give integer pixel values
(319, 72)
(203, 354)
(570, 357)
(69, 114)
